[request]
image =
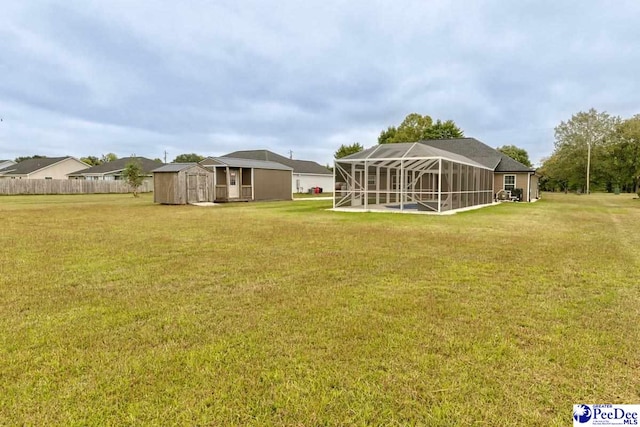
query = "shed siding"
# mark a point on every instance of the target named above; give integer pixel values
(272, 184)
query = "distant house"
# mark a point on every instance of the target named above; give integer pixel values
(43, 168)
(237, 179)
(112, 171)
(6, 163)
(431, 175)
(306, 174)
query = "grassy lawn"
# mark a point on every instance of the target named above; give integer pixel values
(117, 311)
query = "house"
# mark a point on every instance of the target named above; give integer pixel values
(433, 175)
(237, 179)
(112, 171)
(508, 173)
(43, 168)
(306, 174)
(6, 163)
(182, 183)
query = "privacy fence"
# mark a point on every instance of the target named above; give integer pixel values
(67, 186)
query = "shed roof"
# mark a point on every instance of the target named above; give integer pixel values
(176, 167)
(409, 150)
(298, 166)
(243, 163)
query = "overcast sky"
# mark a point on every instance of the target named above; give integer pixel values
(90, 77)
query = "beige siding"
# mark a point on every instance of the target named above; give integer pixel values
(272, 184)
(534, 194)
(59, 170)
(522, 181)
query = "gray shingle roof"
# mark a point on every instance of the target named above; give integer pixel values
(31, 165)
(480, 152)
(174, 167)
(243, 163)
(298, 166)
(118, 165)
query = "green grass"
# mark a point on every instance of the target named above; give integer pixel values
(116, 311)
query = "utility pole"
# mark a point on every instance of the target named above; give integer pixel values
(588, 163)
(165, 157)
(290, 154)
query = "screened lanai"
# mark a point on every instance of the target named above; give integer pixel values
(410, 177)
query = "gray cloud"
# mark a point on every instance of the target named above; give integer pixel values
(144, 77)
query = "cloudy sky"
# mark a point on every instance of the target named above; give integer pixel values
(139, 76)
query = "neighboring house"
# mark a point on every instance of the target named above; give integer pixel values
(43, 168)
(433, 175)
(182, 183)
(237, 179)
(509, 174)
(112, 171)
(6, 163)
(306, 174)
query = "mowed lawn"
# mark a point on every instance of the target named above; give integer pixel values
(116, 311)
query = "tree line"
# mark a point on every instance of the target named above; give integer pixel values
(596, 144)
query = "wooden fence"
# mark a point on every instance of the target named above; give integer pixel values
(67, 186)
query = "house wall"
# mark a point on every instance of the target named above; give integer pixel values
(534, 191)
(58, 170)
(272, 184)
(302, 182)
(522, 181)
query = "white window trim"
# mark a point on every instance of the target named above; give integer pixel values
(504, 181)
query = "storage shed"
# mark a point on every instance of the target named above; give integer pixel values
(182, 183)
(249, 180)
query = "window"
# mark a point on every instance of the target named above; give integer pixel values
(509, 182)
(232, 178)
(48, 177)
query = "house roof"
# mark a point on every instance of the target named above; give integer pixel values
(480, 152)
(298, 166)
(118, 165)
(243, 163)
(176, 167)
(29, 166)
(409, 150)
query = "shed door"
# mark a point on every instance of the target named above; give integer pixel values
(234, 184)
(196, 188)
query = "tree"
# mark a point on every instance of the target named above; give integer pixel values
(517, 154)
(444, 130)
(581, 140)
(109, 157)
(188, 158)
(23, 158)
(623, 155)
(346, 150)
(133, 175)
(416, 127)
(91, 160)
